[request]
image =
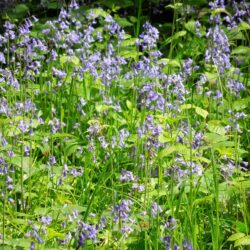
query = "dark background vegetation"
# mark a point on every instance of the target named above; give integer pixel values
(153, 10)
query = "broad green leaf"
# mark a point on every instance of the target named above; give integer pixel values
(186, 106)
(174, 6)
(21, 9)
(245, 241)
(52, 234)
(19, 242)
(201, 112)
(215, 127)
(129, 104)
(213, 138)
(211, 77)
(220, 10)
(179, 148)
(100, 108)
(54, 5)
(128, 42)
(129, 52)
(244, 25)
(22, 162)
(69, 59)
(123, 22)
(241, 104)
(236, 236)
(96, 12)
(190, 26)
(241, 50)
(170, 62)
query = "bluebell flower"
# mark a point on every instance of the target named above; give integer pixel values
(46, 220)
(187, 245)
(155, 209)
(149, 37)
(2, 58)
(127, 176)
(23, 126)
(122, 210)
(235, 86)
(218, 52)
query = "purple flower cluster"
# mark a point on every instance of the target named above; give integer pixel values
(149, 37)
(218, 51)
(86, 232)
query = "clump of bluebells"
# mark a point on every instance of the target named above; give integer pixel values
(103, 137)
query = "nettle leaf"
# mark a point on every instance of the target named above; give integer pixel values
(220, 10)
(19, 242)
(21, 9)
(100, 108)
(241, 104)
(211, 77)
(174, 6)
(245, 241)
(129, 52)
(96, 12)
(201, 112)
(53, 5)
(69, 59)
(170, 62)
(215, 138)
(244, 25)
(176, 36)
(179, 148)
(128, 42)
(190, 26)
(236, 236)
(52, 234)
(215, 127)
(123, 22)
(22, 162)
(186, 106)
(198, 110)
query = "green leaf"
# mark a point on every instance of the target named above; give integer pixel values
(174, 6)
(179, 34)
(215, 127)
(211, 77)
(22, 162)
(128, 42)
(96, 12)
(21, 9)
(123, 22)
(186, 106)
(100, 108)
(244, 26)
(180, 148)
(201, 112)
(190, 26)
(241, 104)
(20, 242)
(170, 62)
(241, 50)
(129, 104)
(215, 138)
(236, 236)
(245, 241)
(52, 234)
(69, 59)
(220, 10)
(53, 5)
